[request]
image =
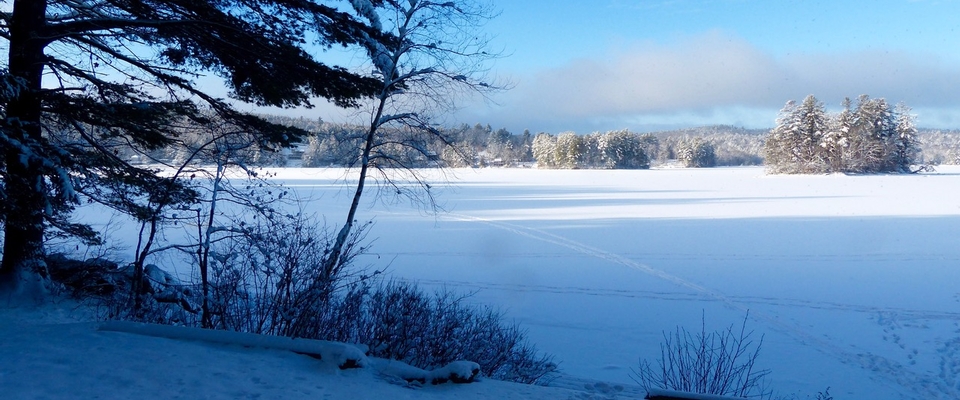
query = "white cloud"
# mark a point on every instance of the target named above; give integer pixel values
(714, 75)
(698, 72)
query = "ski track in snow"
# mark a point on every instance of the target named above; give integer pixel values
(675, 296)
(721, 257)
(917, 385)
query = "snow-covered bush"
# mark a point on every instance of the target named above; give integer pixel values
(718, 363)
(394, 319)
(400, 321)
(269, 279)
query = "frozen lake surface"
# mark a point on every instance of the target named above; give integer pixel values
(851, 280)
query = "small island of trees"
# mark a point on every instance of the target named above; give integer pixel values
(871, 137)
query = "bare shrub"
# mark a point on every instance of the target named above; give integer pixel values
(398, 320)
(718, 363)
(824, 395)
(270, 277)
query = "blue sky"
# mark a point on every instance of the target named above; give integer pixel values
(643, 65)
(651, 64)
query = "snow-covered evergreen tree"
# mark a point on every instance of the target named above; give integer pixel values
(869, 139)
(622, 149)
(794, 146)
(812, 117)
(837, 140)
(544, 150)
(780, 152)
(906, 143)
(696, 153)
(569, 150)
(590, 154)
(875, 127)
(500, 146)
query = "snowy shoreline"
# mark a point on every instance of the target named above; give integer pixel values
(847, 277)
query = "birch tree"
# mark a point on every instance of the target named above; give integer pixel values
(436, 55)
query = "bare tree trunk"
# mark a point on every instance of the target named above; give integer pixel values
(204, 249)
(23, 268)
(428, 80)
(332, 262)
(142, 253)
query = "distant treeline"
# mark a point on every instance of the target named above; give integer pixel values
(482, 146)
(336, 145)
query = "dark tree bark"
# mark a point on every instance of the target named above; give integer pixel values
(24, 185)
(103, 87)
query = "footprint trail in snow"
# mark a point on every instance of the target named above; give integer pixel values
(883, 369)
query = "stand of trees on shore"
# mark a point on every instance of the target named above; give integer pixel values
(611, 150)
(480, 145)
(871, 137)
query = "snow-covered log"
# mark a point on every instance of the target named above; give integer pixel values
(344, 355)
(455, 372)
(660, 394)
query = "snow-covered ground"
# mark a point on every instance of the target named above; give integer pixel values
(47, 353)
(852, 280)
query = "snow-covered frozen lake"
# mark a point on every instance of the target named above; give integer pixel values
(851, 280)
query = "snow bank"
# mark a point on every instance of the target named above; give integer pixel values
(54, 352)
(345, 356)
(455, 372)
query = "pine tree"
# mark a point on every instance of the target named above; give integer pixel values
(871, 138)
(569, 150)
(838, 138)
(906, 144)
(544, 149)
(623, 149)
(696, 153)
(500, 145)
(123, 79)
(526, 146)
(590, 154)
(874, 126)
(794, 146)
(812, 117)
(780, 153)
